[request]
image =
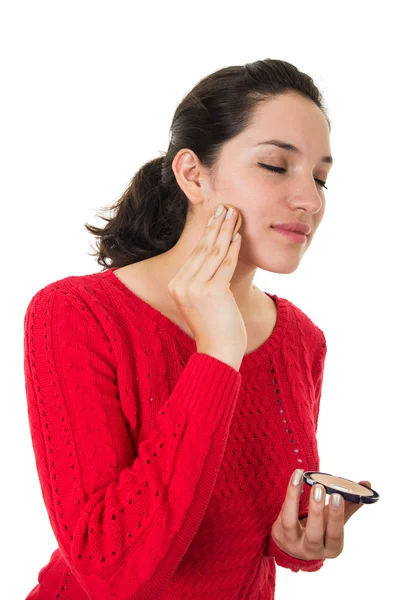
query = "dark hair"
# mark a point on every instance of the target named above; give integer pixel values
(151, 214)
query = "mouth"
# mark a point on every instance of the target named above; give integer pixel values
(294, 236)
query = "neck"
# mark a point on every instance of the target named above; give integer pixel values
(164, 267)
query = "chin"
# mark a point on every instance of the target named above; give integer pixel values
(280, 269)
(275, 260)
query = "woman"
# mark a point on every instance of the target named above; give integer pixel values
(168, 420)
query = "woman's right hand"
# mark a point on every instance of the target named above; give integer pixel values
(201, 291)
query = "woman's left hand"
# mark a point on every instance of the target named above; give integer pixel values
(319, 535)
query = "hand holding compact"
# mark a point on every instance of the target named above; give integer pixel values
(319, 535)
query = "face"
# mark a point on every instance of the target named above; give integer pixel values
(263, 198)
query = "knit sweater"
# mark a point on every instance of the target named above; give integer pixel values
(162, 469)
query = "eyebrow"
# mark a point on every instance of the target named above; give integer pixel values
(291, 148)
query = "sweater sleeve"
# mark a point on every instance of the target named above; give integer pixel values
(123, 519)
(282, 558)
(318, 375)
(290, 562)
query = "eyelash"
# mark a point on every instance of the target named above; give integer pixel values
(281, 171)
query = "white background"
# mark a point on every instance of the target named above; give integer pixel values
(88, 94)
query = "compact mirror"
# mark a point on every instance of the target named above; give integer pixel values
(350, 490)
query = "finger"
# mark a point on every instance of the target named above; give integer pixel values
(235, 218)
(353, 507)
(219, 245)
(334, 532)
(206, 243)
(290, 510)
(315, 524)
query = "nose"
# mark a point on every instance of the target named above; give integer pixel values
(308, 198)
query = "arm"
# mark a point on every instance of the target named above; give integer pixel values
(281, 558)
(290, 562)
(123, 520)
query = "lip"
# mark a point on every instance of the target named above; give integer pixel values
(298, 238)
(295, 226)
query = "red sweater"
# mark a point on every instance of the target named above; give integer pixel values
(162, 469)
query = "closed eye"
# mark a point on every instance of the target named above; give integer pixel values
(280, 170)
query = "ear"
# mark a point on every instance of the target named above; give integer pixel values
(189, 174)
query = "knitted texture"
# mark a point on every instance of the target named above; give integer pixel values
(162, 469)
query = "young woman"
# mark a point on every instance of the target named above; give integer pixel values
(171, 401)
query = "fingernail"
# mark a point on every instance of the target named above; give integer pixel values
(336, 500)
(219, 210)
(318, 493)
(229, 213)
(297, 477)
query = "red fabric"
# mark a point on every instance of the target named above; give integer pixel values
(284, 560)
(162, 469)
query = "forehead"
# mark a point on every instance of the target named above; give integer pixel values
(288, 117)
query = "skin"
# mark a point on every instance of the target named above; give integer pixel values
(321, 534)
(262, 197)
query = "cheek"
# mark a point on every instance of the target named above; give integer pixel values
(255, 222)
(255, 200)
(260, 210)
(317, 220)
(250, 185)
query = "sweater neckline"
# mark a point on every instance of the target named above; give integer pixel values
(252, 359)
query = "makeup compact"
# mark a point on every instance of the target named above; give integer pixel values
(350, 490)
